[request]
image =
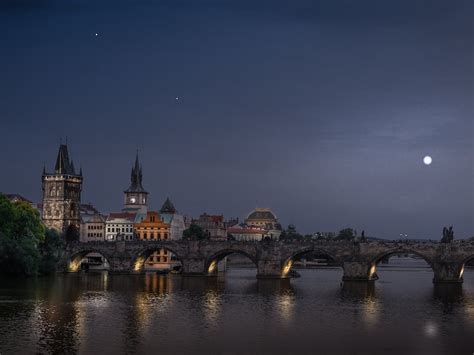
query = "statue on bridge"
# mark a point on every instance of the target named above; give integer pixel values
(448, 235)
(363, 237)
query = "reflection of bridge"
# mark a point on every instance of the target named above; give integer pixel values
(274, 259)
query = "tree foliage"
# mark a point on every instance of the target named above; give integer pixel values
(194, 232)
(346, 234)
(25, 246)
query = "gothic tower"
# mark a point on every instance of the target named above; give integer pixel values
(62, 194)
(136, 198)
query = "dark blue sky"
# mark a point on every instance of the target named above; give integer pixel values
(322, 111)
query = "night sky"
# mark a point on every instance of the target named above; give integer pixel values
(322, 111)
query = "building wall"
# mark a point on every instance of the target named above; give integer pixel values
(119, 226)
(92, 232)
(152, 227)
(61, 201)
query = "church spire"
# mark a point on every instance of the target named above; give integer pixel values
(136, 178)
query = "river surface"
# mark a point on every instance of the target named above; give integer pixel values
(402, 313)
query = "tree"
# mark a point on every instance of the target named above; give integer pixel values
(25, 248)
(290, 234)
(50, 251)
(346, 234)
(194, 232)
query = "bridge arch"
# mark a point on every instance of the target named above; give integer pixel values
(211, 262)
(288, 262)
(462, 265)
(74, 259)
(373, 263)
(139, 259)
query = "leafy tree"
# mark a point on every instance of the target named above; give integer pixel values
(346, 234)
(290, 234)
(50, 251)
(18, 256)
(25, 249)
(194, 232)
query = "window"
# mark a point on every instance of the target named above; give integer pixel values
(166, 235)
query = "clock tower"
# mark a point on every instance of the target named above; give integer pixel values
(62, 195)
(135, 197)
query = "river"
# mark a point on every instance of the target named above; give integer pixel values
(402, 313)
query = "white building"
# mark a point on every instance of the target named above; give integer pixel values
(119, 226)
(244, 233)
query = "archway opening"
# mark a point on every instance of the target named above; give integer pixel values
(467, 270)
(310, 261)
(88, 260)
(158, 260)
(234, 261)
(400, 266)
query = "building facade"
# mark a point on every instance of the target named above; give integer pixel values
(244, 233)
(62, 195)
(264, 218)
(119, 226)
(177, 222)
(213, 226)
(153, 227)
(92, 228)
(135, 197)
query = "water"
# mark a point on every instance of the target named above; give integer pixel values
(402, 313)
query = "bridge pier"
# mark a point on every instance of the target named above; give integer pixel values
(194, 267)
(358, 271)
(272, 269)
(448, 273)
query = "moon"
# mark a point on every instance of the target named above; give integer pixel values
(427, 160)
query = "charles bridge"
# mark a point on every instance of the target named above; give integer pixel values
(274, 259)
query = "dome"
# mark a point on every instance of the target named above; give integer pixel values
(261, 214)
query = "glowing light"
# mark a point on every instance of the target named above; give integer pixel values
(427, 160)
(373, 268)
(139, 263)
(96, 34)
(462, 272)
(287, 267)
(212, 267)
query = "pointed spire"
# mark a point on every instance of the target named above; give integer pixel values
(136, 177)
(62, 161)
(168, 207)
(72, 167)
(80, 170)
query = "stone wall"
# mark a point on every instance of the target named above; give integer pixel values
(274, 259)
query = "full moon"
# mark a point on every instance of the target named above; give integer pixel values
(427, 160)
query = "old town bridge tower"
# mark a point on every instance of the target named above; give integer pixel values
(62, 195)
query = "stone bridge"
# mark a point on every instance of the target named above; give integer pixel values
(274, 259)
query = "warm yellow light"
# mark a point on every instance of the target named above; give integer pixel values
(462, 272)
(139, 263)
(212, 267)
(373, 268)
(287, 267)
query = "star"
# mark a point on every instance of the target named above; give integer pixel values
(96, 34)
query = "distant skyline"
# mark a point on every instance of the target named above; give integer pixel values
(322, 111)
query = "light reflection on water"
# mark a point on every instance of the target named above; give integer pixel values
(402, 313)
